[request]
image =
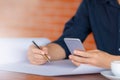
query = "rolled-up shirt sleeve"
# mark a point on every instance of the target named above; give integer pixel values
(77, 27)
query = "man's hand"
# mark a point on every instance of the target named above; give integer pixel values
(94, 57)
(52, 50)
(36, 56)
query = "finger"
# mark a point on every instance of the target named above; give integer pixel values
(45, 50)
(93, 51)
(79, 59)
(35, 62)
(96, 51)
(38, 59)
(76, 63)
(37, 51)
(82, 54)
(32, 60)
(38, 56)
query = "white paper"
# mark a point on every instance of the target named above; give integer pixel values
(14, 50)
(55, 68)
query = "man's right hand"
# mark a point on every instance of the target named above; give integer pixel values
(36, 56)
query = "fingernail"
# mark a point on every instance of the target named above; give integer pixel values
(70, 56)
(75, 51)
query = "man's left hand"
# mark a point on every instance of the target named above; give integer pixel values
(94, 57)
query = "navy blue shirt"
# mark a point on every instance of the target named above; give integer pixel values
(102, 17)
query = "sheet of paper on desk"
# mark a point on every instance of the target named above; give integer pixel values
(15, 49)
(56, 68)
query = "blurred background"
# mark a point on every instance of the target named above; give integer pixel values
(37, 18)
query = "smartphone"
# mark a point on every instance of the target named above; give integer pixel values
(73, 44)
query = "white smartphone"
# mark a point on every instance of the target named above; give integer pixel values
(73, 44)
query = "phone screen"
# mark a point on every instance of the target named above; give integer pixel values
(74, 44)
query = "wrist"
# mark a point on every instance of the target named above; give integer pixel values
(55, 51)
(116, 58)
